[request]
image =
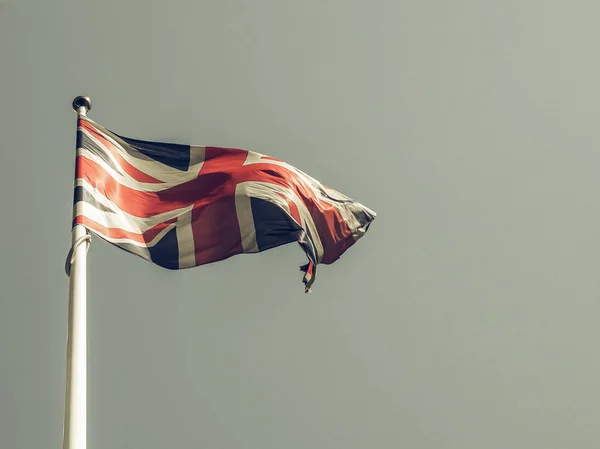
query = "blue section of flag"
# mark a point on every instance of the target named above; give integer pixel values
(272, 225)
(166, 251)
(171, 154)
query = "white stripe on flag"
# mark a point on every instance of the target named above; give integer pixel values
(185, 239)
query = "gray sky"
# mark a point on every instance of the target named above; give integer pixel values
(467, 316)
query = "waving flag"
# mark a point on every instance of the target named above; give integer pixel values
(181, 206)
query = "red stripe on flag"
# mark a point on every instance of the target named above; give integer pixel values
(135, 173)
(294, 212)
(215, 224)
(140, 203)
(118, 233)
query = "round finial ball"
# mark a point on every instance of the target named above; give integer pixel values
(85, 102)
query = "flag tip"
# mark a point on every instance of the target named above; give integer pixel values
(82, 102)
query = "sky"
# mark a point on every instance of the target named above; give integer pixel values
(465, 318)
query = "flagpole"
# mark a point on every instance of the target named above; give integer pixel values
(75, 425)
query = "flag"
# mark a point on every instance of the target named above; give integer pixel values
(181, 206)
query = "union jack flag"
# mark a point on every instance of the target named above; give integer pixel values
(181, 206)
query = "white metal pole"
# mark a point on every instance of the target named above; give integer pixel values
(74, 430)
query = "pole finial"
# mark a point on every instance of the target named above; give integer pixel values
(82, 102)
